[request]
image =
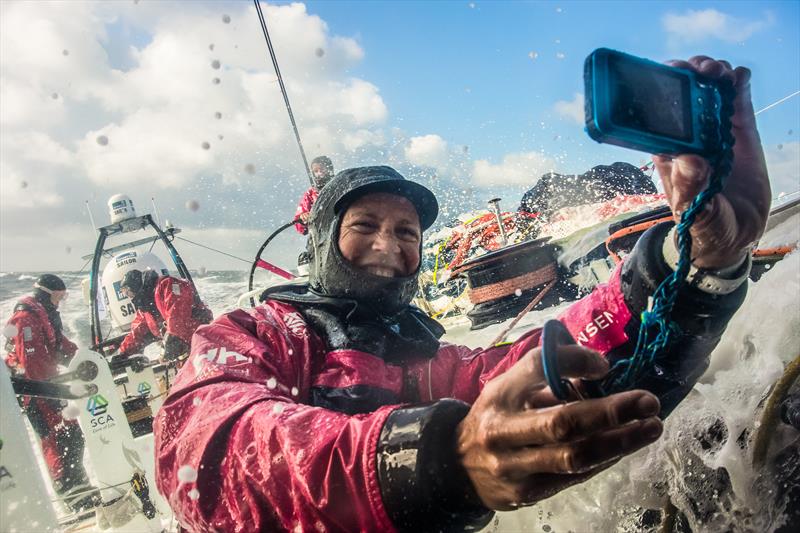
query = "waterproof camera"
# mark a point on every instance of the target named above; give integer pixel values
(640, 104)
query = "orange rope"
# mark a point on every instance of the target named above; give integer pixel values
(778, 250)
(636, 228)
(511, 286)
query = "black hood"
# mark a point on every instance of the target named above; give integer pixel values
(330, 274)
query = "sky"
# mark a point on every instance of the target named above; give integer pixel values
(178, 102)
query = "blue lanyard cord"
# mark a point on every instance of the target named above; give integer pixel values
(657, 328)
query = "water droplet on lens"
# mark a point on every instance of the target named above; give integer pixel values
(211, 47)
(193, 205)
(319, 52)
(215, 64)
(205, 145)
(102, 140)
(216, 81)
(71, 412)
(187, 474)
(250, 168)
(65, 52)
(217, 115)
(226, 19)
(54, 96)
(193, 494)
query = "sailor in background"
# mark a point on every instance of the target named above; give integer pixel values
(35, 350)
(166, 308)
(322, 172)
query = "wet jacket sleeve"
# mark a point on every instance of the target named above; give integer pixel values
(138, 337)
(237, 449)
(422, 482)
(175, 300)
(701, 319)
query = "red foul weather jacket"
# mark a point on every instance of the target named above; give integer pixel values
(305, 205)
(178, 306)
(34, 350)
(242, 413)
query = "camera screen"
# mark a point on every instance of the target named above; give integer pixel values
(650, 99)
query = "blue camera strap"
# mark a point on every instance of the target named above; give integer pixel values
(657, 328)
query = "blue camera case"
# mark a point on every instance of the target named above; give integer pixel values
(701, 108)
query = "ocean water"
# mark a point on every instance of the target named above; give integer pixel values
(681, 470)
(219, 289)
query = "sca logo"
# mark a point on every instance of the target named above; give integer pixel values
(144, 388)
(97, 406)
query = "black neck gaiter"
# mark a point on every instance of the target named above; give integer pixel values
(348, 324)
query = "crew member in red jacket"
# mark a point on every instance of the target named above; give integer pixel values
(321, 172)
(166, 308)
(333, 405)
(35, 351)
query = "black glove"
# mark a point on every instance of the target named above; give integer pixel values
(174, 347)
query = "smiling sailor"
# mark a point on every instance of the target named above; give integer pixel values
(334, 406)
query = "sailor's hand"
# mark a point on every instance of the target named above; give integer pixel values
(519, 445)
(303, 218)
(734, 219)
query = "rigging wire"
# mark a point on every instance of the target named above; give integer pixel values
(214, 250)
(283, 87)
(773, 104)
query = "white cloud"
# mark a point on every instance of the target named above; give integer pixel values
(58, 96)
(516, 169)
(696, 26)
(427, 151)
(784, 167)
(571, 109)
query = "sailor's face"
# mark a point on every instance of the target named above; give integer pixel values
(380, 234)
(318, 170)
(57, 296)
